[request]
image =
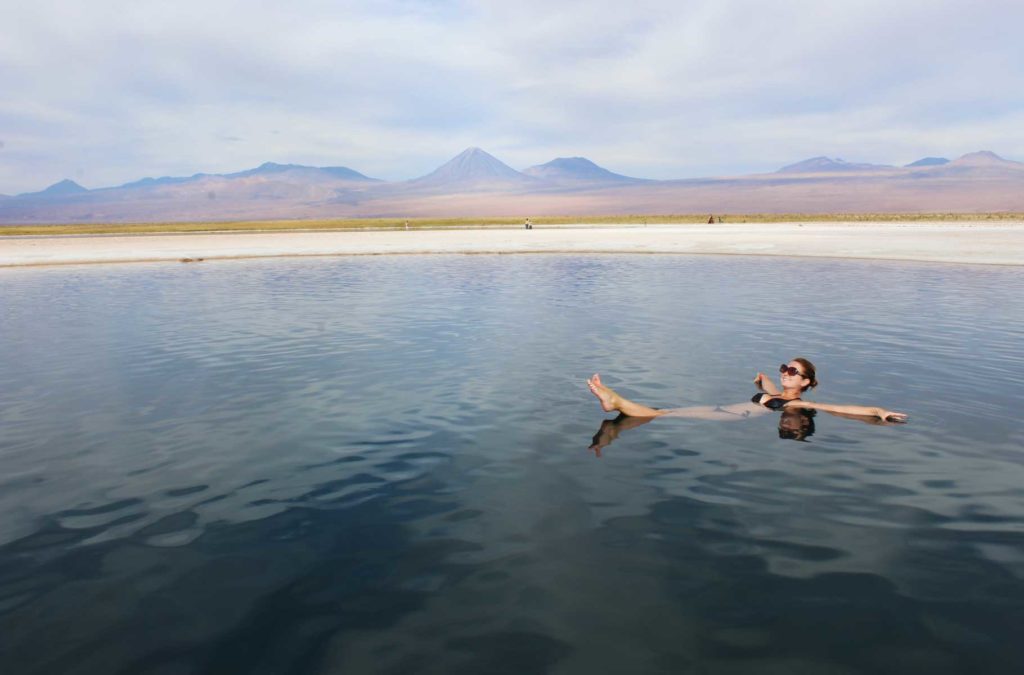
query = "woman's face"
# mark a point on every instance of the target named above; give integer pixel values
(796, 381)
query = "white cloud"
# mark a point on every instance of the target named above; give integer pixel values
(107, 92)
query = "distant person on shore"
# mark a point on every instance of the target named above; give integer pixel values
(529, 225)
(711, 220)
(796, 377)
(407, 224)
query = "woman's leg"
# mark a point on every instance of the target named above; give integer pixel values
(610, 401)
(722, 413)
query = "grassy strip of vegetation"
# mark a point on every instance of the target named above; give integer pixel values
(440, 223)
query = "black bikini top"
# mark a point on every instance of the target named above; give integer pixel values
(775, 403)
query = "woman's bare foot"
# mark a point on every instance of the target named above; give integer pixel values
(607, 397)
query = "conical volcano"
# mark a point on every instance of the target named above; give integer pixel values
(64, 188)
(473, 167)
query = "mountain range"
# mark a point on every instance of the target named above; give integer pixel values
(475, 183)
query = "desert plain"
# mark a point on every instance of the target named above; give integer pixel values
(997, 243)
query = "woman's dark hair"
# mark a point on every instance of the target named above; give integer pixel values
(808, 372)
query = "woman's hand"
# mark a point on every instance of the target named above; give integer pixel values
(891, 415)
(766, 384)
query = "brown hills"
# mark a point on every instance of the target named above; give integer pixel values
(475, 183)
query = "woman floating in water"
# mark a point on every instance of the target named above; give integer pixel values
(797, 422)
(796, 377)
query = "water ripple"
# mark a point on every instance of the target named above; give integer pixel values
(381, 465)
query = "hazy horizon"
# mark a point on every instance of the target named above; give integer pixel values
(654, 90)
(442, 163)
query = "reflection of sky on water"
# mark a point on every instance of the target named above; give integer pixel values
(392, 453)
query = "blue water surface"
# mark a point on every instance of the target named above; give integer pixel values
(392, 465)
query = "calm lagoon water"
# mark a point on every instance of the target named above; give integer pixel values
(381, 465)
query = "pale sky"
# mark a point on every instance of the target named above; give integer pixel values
(106, 92)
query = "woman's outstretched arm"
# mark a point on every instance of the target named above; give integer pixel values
(870, 411)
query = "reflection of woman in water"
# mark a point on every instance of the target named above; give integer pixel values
(795, 378)
(794, 425)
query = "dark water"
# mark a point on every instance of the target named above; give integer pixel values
(381, 465)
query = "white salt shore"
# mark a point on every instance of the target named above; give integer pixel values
(965, 242)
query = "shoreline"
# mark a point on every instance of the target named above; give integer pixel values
(938, 242)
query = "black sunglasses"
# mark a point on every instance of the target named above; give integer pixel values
(789, 370)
